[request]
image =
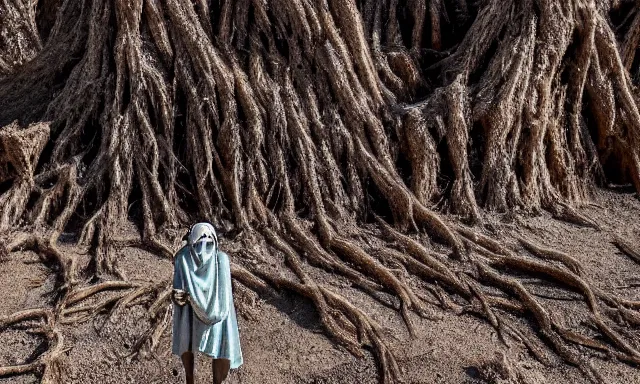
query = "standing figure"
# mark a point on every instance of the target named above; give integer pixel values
(204, 318)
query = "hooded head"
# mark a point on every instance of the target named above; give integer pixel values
(202, 241)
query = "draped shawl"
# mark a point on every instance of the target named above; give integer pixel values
(213, 328)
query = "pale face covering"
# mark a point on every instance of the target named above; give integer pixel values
(203, 243)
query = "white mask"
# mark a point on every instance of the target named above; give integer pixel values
(203, 242)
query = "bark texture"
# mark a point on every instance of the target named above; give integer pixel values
(329, 134)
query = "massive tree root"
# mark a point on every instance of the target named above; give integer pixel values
(324, 134)
(19, 37)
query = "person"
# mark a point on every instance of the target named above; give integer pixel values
(204, 317)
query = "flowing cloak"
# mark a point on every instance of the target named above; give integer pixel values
(209, 287)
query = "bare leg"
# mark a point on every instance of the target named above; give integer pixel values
(220, 369)
(187, 361)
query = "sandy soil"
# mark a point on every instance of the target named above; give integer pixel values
(283, 341)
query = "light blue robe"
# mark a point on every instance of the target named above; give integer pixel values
(209, 287)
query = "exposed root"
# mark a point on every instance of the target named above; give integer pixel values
(19, 155)
(295, 130)
(19, 37)
(49, 362)
(552, 254)
(48, 252)
(627, 249)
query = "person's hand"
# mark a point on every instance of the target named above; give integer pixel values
(180, 297)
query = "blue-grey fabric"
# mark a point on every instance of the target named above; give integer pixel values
(206, 277)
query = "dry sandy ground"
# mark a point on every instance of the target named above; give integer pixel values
(283, 341)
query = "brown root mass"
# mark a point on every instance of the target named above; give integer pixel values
(324, 133)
